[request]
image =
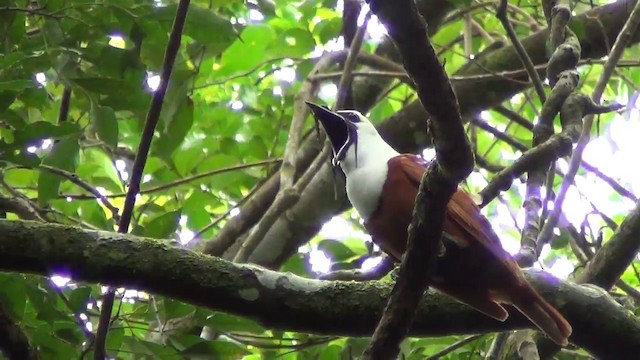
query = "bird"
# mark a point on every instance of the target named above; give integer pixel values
(382, 185)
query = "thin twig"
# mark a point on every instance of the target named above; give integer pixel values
(520, 50)
(74, 178)
(455, 346)
(243, 74)
(153, 115)
(183, 181)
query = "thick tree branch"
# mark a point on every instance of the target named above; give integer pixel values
(563, 84)
(285, 301)
(20, 207)
(454, 161)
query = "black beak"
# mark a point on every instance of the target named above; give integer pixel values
(338, 128)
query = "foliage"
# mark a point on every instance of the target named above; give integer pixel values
(229, 103)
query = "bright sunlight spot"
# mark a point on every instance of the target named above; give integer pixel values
(255, 15)
(32, 149)
(121, 165)
(328, 91)
(371, 263)
(146, 178)
(561, 267)
(429, 153)
(277, 90)
(376, 30)
(117, 41)
(319, 261)
(101, 190)
(286, 74)
(335, 44)
(60, 281)
(46, 143)
(337, 228)
(41, 78)
(237, 105)
(185, 235)
(234, 212)
(153, 81)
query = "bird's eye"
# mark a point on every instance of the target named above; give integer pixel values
(353, 117)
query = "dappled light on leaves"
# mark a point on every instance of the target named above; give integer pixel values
(76, 84)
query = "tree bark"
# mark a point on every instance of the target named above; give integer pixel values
(285, 301)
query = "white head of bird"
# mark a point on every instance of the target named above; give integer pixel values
(360, 152)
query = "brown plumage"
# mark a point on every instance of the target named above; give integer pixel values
(475, 269)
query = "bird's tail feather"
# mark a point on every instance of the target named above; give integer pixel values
(543, 315)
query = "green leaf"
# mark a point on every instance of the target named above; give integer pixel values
(106, 124)
(101, 166)
(245, 54)
(37, 131)
(330, 352)
(195, 208)
(16, 85)
(94, 214)
(328, 29)
(202, 24)
(176, 309)
(336, 249)
(115, 336)
(230, 323)
(108, 86)
(355, 244)
(79, 298)
(298, 265)
(21, 157)
(13, 294)
(68, 331)
(163, 226)
(176, 130)
(293, 42)
(63, 155)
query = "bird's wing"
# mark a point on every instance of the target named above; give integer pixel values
(464, 220)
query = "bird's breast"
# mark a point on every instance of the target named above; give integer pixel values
(364, 188)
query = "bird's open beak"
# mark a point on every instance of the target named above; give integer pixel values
(336, 127)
